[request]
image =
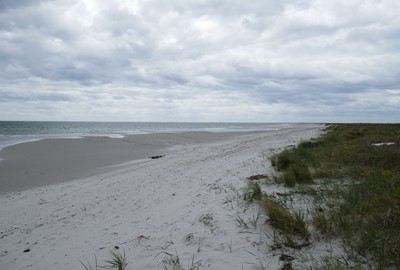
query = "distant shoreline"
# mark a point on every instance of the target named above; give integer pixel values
(16, 132)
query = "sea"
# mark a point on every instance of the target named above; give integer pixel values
(14, 132)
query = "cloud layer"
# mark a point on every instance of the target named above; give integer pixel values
(200, 60)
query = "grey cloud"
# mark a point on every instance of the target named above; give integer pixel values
(284, 53)
(13, 96)
(221, 8)
(14, 4)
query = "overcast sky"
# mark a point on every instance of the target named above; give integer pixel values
(200, 60)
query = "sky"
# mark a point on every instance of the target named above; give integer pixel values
(200, 60)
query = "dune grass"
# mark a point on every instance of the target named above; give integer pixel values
(292, 166)
(283, 219)
(118, 261)
(252, 192)
(367, 158)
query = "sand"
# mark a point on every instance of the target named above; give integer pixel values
(52, 161)
(184, 203)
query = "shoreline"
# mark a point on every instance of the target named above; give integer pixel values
(80, 130)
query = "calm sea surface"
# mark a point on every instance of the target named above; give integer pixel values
(13, 132)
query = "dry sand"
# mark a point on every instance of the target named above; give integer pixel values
(184, 203)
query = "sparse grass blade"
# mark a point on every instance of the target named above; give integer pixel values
(241, 223)
(88, 266)
(320, 222)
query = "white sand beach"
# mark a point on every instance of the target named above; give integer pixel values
(184, 203)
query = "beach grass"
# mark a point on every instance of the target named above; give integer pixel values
(358, 167)
(252, 192)
(117, 261)
(283, 219)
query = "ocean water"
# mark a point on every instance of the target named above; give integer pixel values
(14, 132)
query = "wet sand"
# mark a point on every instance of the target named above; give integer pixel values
(52, 161)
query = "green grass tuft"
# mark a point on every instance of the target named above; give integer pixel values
(320, 222)
(252, 192)
(284, 220)
(118, 261)
(282, 160)
(296, 173)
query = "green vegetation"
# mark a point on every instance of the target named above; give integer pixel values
(292, 166)
(296, 173)
(283, 219)
(117, 262)
(252, 192)
(358, 168)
